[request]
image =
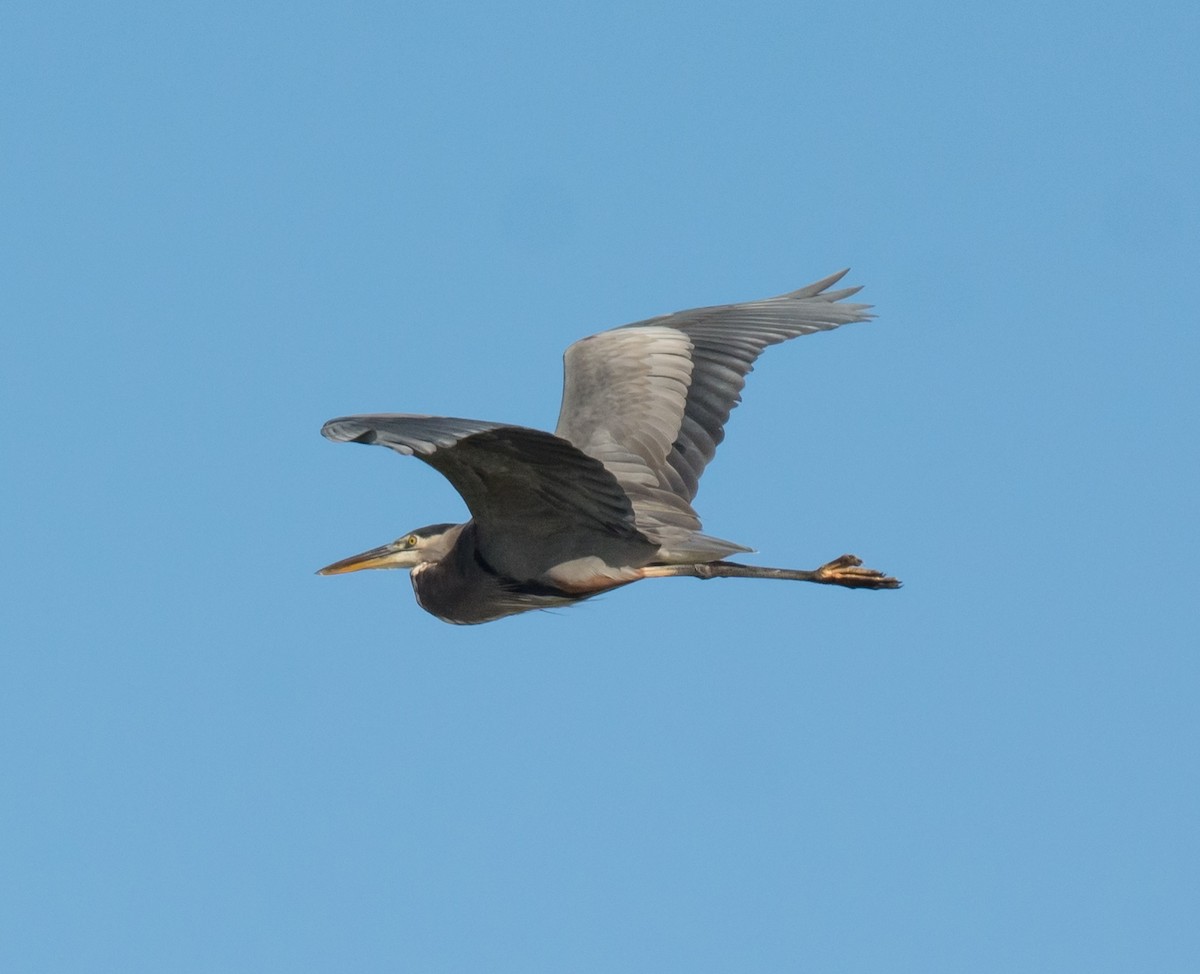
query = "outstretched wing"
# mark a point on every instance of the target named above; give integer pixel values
(650, 400)
(537, 501)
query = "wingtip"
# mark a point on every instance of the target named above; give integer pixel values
(811, 290)
(329, 429)
(821, 288)
(348, 429)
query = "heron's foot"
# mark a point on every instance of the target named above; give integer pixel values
(848, 572)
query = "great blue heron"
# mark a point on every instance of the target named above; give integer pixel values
(605, 500)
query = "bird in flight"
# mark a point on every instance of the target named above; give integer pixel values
(606, 499)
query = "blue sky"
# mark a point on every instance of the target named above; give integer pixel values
(223, 225)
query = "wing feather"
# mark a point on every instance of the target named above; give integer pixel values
(622, 391)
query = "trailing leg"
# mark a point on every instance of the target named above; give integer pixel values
(846, 571)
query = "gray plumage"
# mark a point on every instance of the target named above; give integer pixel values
(606, 499)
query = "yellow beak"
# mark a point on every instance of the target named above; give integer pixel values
(391, 555)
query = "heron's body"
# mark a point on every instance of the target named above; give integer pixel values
(606, 499)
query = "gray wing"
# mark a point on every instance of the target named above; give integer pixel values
(651, 399)
(536, 500)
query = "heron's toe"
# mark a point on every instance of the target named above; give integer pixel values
(848, 572)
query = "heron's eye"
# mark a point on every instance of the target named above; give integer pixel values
(411, 541)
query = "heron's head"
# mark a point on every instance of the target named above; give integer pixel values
(418, 547)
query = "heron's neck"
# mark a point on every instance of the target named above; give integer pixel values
(454, 587)
(440, 549)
